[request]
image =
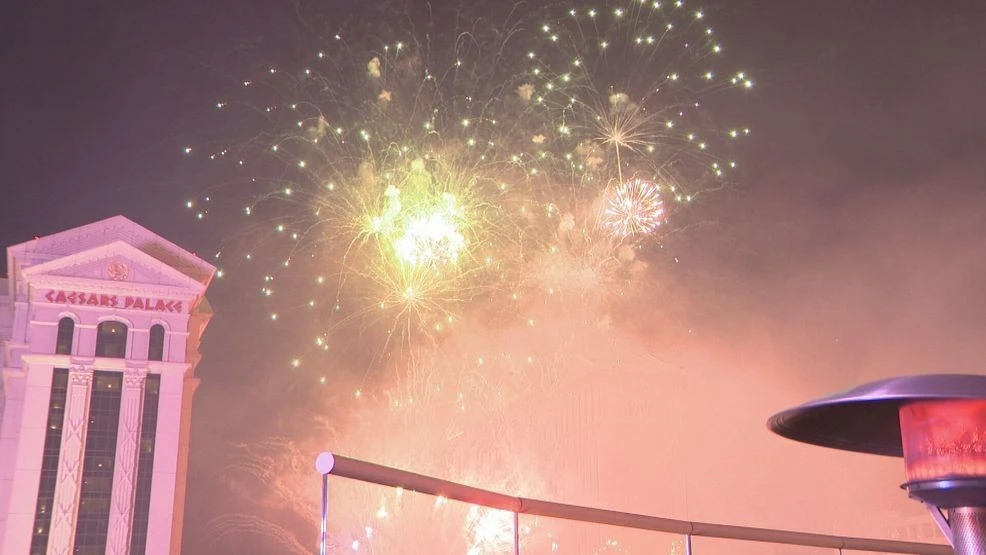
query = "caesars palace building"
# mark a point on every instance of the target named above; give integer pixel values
(99, 340)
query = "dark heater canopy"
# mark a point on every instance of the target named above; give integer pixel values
(866, 419)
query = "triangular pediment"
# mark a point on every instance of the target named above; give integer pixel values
(42, 250)
(117, 262)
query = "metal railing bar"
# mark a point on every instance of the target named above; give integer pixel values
(364, 471)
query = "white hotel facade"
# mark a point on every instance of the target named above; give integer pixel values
(99, 338)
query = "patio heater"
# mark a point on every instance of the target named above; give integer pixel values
(937, 423)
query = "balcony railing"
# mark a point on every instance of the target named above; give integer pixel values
(412, 482)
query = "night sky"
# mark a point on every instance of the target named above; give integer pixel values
(850, 248)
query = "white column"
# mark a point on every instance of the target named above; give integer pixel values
(184, 442)
(62, 535)
(22, 438)
(164, 476)
(125, 471)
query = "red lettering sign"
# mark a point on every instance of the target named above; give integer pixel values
(112, 301)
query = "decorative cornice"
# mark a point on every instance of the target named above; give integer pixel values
(58, 361)
(134, 377)
(159, 367)
(80, 374)
(104, 231)
(107, 253)
(107, 364)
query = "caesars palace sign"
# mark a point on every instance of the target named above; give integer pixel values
(113, 301)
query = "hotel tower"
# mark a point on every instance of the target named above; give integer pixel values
(99, 340)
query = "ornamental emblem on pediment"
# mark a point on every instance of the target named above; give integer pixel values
(117, 271)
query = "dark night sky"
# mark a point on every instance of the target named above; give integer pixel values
(853, 245)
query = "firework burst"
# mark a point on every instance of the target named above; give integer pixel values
(404, 194)
(633, 209)
(404, 181)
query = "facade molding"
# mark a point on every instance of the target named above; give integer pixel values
(115, 252)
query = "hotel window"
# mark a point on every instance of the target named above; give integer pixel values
(63, 343)
(49, 462)
(155, 349)
(98, 463)
(111, 340)
(145, 465)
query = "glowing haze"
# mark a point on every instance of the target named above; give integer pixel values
(470, 231)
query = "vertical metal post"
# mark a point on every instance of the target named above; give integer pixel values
(516, 534)
(688, 544)
(968, 525)
(325, 516)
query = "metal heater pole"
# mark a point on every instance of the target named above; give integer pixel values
(968, 530)
(325, 514)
